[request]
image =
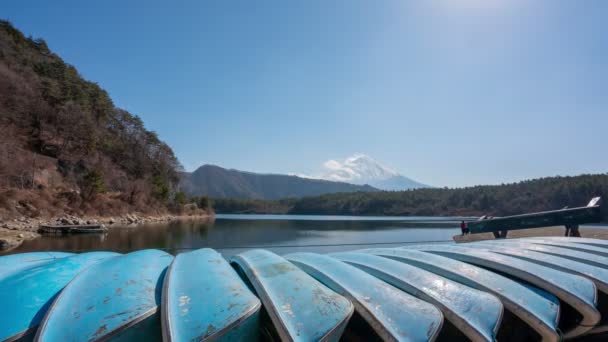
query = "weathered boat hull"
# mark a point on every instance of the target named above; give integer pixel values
(597, 274)
(577, 291)
(300, 308)
(584, 241)
(16, 262)
(116, 299)
(582, 215)
(586, 248)
(393, 314)
(558, 251)
(27, 295)
(475, 313)
(537, 308)
(204, 299)
(73, 229)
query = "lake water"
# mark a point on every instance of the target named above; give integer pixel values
(282, 234)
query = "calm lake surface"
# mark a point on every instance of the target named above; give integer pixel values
(231, 234)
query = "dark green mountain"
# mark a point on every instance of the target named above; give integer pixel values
(217, 182)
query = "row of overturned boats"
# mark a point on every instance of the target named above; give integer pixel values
(545, 288)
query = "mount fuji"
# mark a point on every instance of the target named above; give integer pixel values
(362, 169)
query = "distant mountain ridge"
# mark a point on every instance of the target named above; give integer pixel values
(217, 182)
(362, 169)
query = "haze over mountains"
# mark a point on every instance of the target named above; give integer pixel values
(356, 173)
(218, 182)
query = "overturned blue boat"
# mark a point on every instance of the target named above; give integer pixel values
(204, 299)
(116, 299)
(27, 294)
(529, 289)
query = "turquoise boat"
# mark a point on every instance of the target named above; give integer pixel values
(393, 314)
(27, 295)
(474, 313)
(204, 299)
(17, 262)
(598, 275)
(586, 248)
(558, 251)
(299, 307)
(584, 241)
(117, 298)
(535, 307)
(578, 292)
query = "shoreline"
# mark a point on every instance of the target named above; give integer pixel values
(594, 232)
(14, 232)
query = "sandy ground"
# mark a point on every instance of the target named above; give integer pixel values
(586, 231)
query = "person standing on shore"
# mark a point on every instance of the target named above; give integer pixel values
(463, 228)
(568, 228)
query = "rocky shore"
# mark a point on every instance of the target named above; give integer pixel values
(13, 232)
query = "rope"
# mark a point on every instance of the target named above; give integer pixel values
(273, 246)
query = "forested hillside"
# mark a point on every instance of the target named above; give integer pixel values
(217, 182)
(497, 200)
(65, 147)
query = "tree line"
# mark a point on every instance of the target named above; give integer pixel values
(496, 200)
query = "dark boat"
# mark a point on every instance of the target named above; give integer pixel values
(569, 216)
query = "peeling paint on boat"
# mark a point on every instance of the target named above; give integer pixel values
(539, 309)
(111, 296)
(476, 313)
(108, 299)
(300, 307)
(579, 292)
(204, 299)
(392, 313)
(27, 295)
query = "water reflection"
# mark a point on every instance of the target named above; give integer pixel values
(231, 235)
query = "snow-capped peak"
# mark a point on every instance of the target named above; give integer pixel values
(363, 169)
(356, 168)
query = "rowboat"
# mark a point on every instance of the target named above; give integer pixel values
(117, 298)
(16, 262)
(588, 214)
(393, 314)
(204, 299)
(546, 285)
(558, 251)
(299, 307)
(26, 295)
(591, 249)
(578, 292)
(474, 313)
(73, 229)
(583, 241)
(538, 309)
(598, 275)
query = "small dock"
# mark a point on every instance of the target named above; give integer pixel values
(72, 229)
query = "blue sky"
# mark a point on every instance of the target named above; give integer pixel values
(448, 92)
